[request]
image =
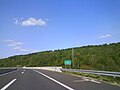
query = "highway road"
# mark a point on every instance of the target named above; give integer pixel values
(28, 79)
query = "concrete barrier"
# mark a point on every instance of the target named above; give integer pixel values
(57, 69)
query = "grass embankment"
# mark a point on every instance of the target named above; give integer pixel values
(107, 79)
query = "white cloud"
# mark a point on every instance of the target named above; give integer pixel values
(17, 21)
(15, 44)
(18, 46)
(24, 50)
(27, 50)
(105, 36)
(12, 43)
(18, 43)
(30, 22)
(8, 41)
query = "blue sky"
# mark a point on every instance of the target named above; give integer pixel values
(29, 26)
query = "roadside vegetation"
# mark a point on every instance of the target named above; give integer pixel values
(104, 57)
(106, 79)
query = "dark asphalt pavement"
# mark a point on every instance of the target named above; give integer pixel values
(24, 79)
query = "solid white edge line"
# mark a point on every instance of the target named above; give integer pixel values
(69, 88)
(9, 72)
(6, 86)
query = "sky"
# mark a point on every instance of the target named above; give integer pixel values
(28, 26)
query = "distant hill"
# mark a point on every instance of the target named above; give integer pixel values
(97, 57)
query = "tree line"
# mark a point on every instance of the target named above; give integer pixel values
(97, 57)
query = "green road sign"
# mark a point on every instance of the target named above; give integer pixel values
(67, 62)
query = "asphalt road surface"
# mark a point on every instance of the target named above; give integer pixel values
(24, 79)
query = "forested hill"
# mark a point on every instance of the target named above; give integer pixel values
(98, 57)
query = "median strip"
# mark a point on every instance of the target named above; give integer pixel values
(67, 87)
(8, 72)
(6, 86)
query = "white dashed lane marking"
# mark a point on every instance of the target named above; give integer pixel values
(6, 86)
(22, 72)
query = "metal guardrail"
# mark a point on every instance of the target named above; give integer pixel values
(104, 73)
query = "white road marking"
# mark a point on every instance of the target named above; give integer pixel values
(9, 72)
(86, 79)
(22, 72)
(69, 88)
(6, 86)
(95, 81)
(79, 81)
(83, 80)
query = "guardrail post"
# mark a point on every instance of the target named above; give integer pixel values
(115, 79)
(88, 74)
(100, 77)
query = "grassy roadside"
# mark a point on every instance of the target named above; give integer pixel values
(106, 79)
